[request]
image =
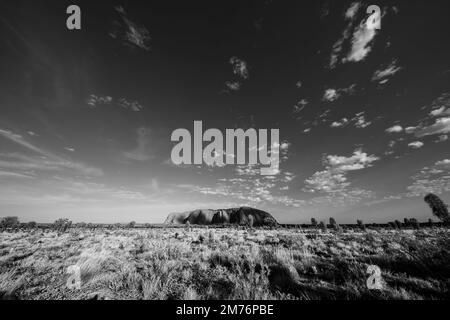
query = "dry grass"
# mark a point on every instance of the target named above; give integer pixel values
(225, 264)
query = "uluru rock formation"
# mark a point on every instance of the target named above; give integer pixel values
(239, 216)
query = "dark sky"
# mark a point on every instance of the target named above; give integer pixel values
(87, 115)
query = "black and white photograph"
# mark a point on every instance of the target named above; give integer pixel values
(245, 152)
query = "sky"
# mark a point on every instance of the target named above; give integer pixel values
(86, 116)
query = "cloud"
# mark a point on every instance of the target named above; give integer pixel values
(334, 177)
(442, 138)
(395, 129)
(445, 162)
(361, 38)
(383, 75)
(143, 151)
(410, 130)
(240, 67)
(438, 121)
(10, 174)
(251, 188)
(300, 105)
(232, 86)
(416, 144)
(46, 161)
(130, 33)
(95, 101)
(441, 106)
(352, 10)
(338, 45)
(440, 126)
(361, 43)
(442, 111)
(359, 121)
(330, 95)
(338, 124)
(434, 179)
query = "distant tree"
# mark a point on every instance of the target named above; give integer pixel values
(430, 222)
(313, 222)
(392, 225)
(414, 223)
(438, 207)
(61, 225)
(132, 224)
(333, 221)
(398, 224)
(31, 225)
(335, 225)
(361, 224)
(406, 222)
(9, 222)
(322, 226)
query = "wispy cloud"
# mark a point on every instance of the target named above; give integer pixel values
(332, 94)
(385, 73)
(416, 144)
(95, 101)
(45, 161)
(440, 126)
(240, 67)
(232, 86)
(395, 129)
(143, 150)
(334, 178)
(438, 120)
(435, 179)
(240, 70)
(361, 43)
(299, 106)
(359, 121)
(361, 38)
(130, 33)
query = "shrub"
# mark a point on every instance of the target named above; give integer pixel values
(322, 226)
(313, 222)
(132, 224)
(335, 225)
(414, 223)
(332, 221)
(9, 222)
(361, 224)
(31, 225)
(61, 225)
(438, 207)
(406, 222)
